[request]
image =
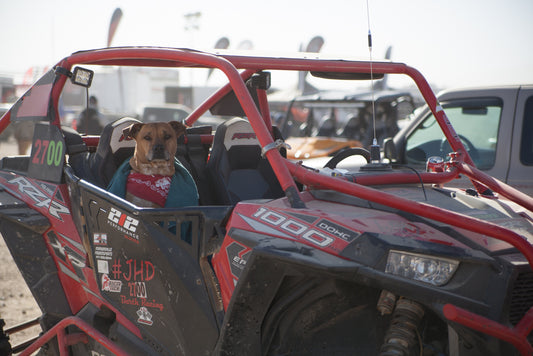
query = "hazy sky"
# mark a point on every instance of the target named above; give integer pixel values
(452, 42)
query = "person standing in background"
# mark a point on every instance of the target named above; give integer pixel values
(89, 120)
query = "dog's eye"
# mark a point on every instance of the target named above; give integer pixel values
(167, 136)
(147, 138)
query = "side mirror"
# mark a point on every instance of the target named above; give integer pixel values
(389, 150)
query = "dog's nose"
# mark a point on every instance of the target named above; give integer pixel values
(159, 152)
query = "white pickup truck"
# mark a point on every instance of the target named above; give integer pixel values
(494, 123)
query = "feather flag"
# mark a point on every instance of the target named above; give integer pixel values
(115, 19)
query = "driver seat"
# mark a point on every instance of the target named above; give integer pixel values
(236, 168)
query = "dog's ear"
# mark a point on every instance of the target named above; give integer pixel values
(178, 127)
(132, 130)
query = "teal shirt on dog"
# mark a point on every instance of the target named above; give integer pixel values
(182, 191)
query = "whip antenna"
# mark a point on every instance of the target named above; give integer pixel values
(374, 148)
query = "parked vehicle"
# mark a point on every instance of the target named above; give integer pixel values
(164, 112)
(278, 258)
(494, 123)
(322, 124)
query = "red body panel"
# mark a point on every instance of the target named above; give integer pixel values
(68, 252)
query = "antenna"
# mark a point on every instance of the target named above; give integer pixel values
(375, 156)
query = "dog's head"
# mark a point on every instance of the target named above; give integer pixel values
(156, 145)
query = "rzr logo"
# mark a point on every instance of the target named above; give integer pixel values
(243, 135)
(41, 200)
(123, 222)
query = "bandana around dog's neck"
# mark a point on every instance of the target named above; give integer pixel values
(153, 188)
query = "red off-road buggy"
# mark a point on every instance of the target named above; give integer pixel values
(278, 258)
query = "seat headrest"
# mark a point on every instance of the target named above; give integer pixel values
(236, 162)
(113, 149)
(238, 132)
(112, 138)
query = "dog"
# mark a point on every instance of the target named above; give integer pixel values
(156, 144)
(152, 172)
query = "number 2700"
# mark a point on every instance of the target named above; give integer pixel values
(48, 152)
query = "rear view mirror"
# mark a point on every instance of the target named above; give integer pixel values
(479, 110)
(389, 150)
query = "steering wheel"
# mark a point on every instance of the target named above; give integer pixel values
(470, 148)
(345, 153)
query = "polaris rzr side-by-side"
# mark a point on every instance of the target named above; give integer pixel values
(277, 258)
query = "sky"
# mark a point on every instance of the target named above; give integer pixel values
(454, 43)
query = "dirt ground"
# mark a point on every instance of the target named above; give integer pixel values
(16, 301)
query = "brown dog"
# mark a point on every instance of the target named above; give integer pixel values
(152, 162)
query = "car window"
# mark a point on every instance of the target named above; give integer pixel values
(300, 121)
(526, 149)
(476, 122)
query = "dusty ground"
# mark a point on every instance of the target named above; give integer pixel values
(16, 301)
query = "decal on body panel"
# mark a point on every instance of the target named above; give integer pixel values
(26, 187)
(291, 227)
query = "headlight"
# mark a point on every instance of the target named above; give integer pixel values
(423, 268)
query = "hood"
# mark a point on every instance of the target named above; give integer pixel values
(343, 223)
(312, 147)
(383, 220)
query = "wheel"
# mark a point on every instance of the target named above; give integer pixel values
(345, 153)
